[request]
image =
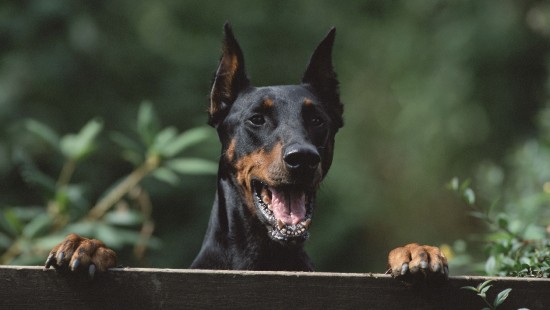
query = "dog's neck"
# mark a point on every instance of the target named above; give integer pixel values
(236, 239)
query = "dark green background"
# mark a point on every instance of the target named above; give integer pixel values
(432, 89)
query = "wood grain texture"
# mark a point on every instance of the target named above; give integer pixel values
(137, 288)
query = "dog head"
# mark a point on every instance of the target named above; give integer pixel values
(277, 141)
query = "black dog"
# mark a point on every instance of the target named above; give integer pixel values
(277, 146)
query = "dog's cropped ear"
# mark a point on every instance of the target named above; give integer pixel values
(230, 78)
(321, 76)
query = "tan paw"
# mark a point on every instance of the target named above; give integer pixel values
(79, 253)
(414, 262)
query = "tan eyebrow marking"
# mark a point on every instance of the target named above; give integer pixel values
(267, 103)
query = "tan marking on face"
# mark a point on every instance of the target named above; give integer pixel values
(265, 166)
(267, 103)
(230, 152)
(308, 102)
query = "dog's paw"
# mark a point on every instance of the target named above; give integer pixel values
(414, 263)
(78, 253)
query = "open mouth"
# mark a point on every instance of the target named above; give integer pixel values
(286, 210)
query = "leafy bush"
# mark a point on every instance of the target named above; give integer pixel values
(515, 245)
(122, 216)
(430, 86)
(481, 291)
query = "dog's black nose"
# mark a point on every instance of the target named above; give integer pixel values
(302, 157)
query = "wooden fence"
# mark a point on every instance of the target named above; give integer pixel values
(137, 288)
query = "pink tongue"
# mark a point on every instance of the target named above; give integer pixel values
(289, 207)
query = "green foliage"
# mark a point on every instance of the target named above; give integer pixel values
(430, 89)
(27, 233)
(481, 291)
(515, 246)
(77, 146)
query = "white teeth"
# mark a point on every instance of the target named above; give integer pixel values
(280, 224)
(293, 230)
(266, 196)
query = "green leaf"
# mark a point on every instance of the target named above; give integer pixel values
(525, 268)
(78, 146)
(62, 201)
(132, 157)
(32, 175)
(39, 226)
(110, 236)
(163, 139)
(46, 243)
(90, 130)
(124, 217)
(483, 291)
(534, 232)
(185, 140)
(147, 123)
(78, 201)
(470, 288)
(192, 166)
(126, 143)
(132, 151)
(490, 266)
(27, 213)
(502, 221)
(117, 237)
(43, 131)
(469, 196)
(166, 175)
(501, 297)
(481, 286)
(454, 184)
(478, 215)
(84, 228)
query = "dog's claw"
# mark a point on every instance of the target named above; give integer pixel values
(423, 264)
(60, 257)
(404, 269)
(49, 261)
(75, 264)
(91, 271)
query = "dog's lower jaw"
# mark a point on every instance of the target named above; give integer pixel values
(237, 240)
(285, 212)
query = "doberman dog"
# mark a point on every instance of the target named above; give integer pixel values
(277, 146)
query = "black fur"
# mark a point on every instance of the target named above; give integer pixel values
(276, 137)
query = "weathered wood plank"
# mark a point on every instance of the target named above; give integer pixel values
(136, 288)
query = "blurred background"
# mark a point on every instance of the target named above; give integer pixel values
(432, 90)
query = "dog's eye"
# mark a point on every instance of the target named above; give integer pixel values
(316, 121)
(257, 120)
